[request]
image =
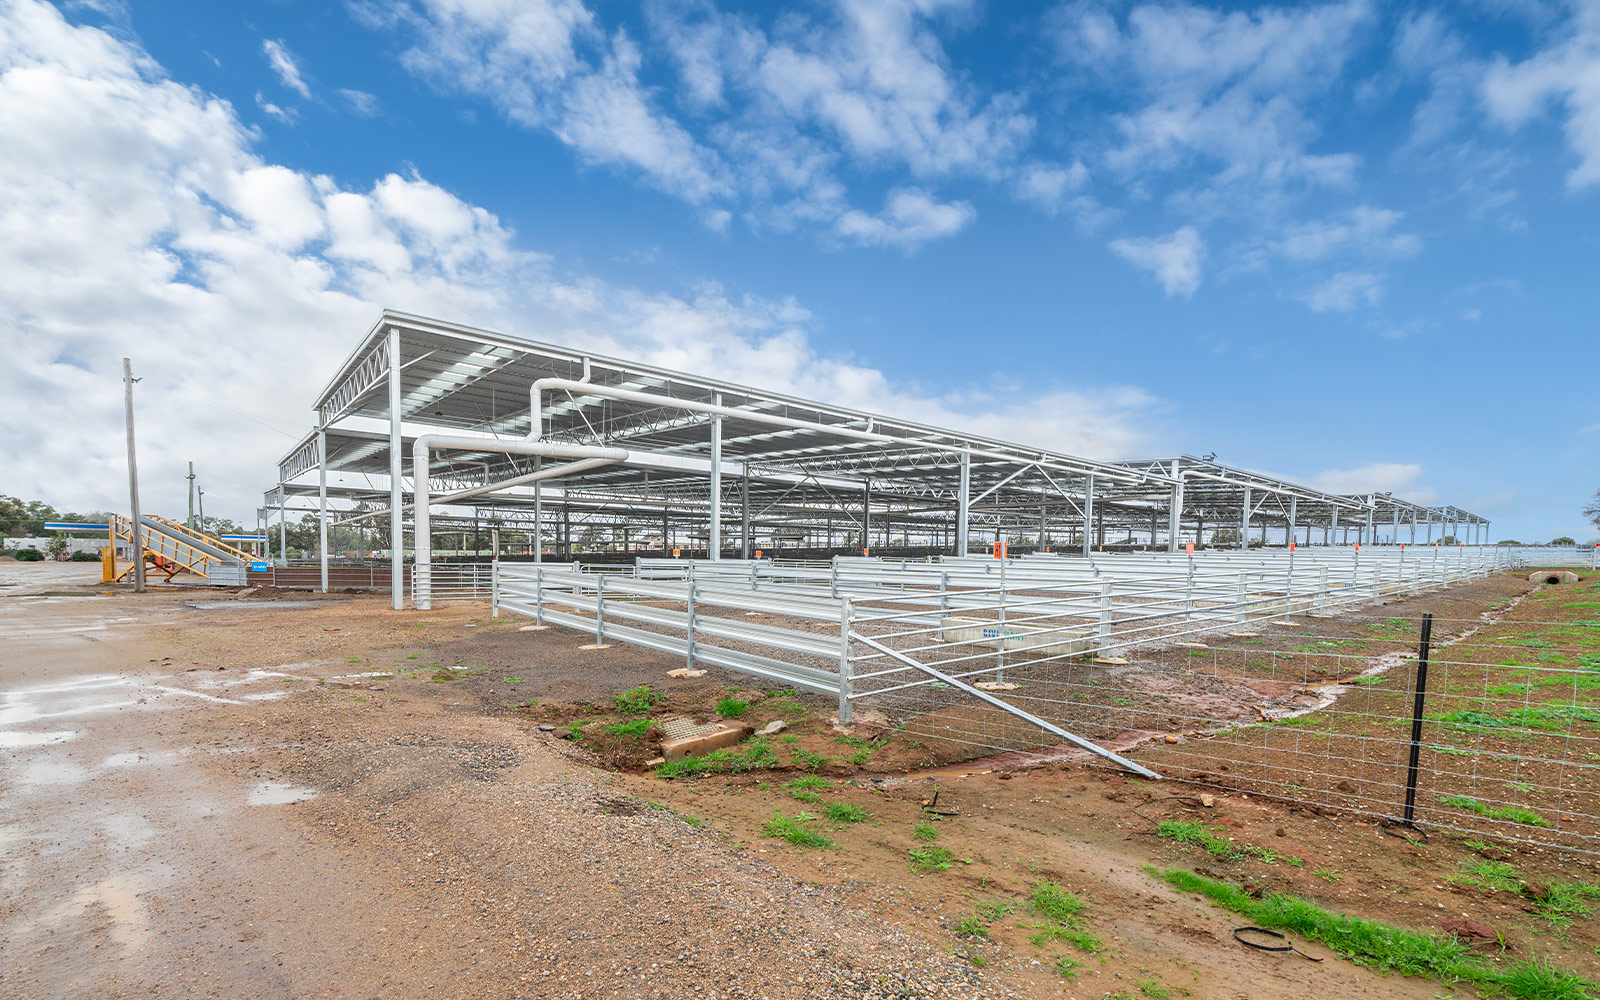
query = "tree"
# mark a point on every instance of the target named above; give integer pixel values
(57, 545)
(1225, 536)
(1563, 540)
(1592, 510)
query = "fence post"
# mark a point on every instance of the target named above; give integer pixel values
(1000, 643)
(600, 609)
(1238, 614)
(1322, 591)
(944, 591)
(1288, 589)
(844, 662)
(538, 596)
(688, 646)
(494, 589)
(1416, 719)
(1104, 637)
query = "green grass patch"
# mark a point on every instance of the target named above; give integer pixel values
(735, 760)
(1384, 946)
(1489, 874)
(795, 830)
(973, 926)
(925, 832)
(1062, 910)
(996, 909)
(638, 700)
(1545, 718)
(1190, 832)
(514, 679)
(632, 729)
(1516, 814)
(931, 859)
(732, 708)
(810, 759)
(845, 812)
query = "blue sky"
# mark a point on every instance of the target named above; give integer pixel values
(1349, 243)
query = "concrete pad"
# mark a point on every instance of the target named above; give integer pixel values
(533, 628)
(596, 645)
(725, 736)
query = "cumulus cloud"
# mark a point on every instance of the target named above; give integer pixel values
(1174, 260)
(1345, 291)
(284, 65)
(1568, 73)
(137, 219)
(1225, 91)
(910, 218)
(771, 119)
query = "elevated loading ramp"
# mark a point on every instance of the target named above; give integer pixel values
(173, 548)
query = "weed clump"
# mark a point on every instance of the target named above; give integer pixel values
(931, 859)
(638, 700)
(845, 812)
(732, 708)
(794, 830)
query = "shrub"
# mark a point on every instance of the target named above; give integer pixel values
(732, 708)
(29, 555)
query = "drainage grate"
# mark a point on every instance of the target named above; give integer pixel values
(677, 729)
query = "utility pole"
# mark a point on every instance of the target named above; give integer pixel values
(191, 496)
(137, 530)
(202, 510)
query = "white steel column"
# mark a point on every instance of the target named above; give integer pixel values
(322, 503)
(714, 539)
(1244, 521)
(1175, 515)
(1294, 516)
(963, 503)
(397, 535)
(1088, 511)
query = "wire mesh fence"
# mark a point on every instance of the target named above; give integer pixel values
(1280, 684)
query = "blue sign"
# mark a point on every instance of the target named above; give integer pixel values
(243, 538)
(75, 526)
(260, 567)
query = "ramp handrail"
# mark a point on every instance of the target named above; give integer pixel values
(181, 531)
(169, 548)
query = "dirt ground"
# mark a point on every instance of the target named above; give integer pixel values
(289, 795)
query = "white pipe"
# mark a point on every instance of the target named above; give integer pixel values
(423, 544)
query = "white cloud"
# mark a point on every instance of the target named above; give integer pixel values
(1378, 477)
(283, 64)
(772, 119)
(286, 115)
(1174, 259)
(1345, 291)
(1569, 72)
(1221, 89)
(136, 219)
(1365, 230)
(1046, 186)
(360, 102)
(910, 218)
